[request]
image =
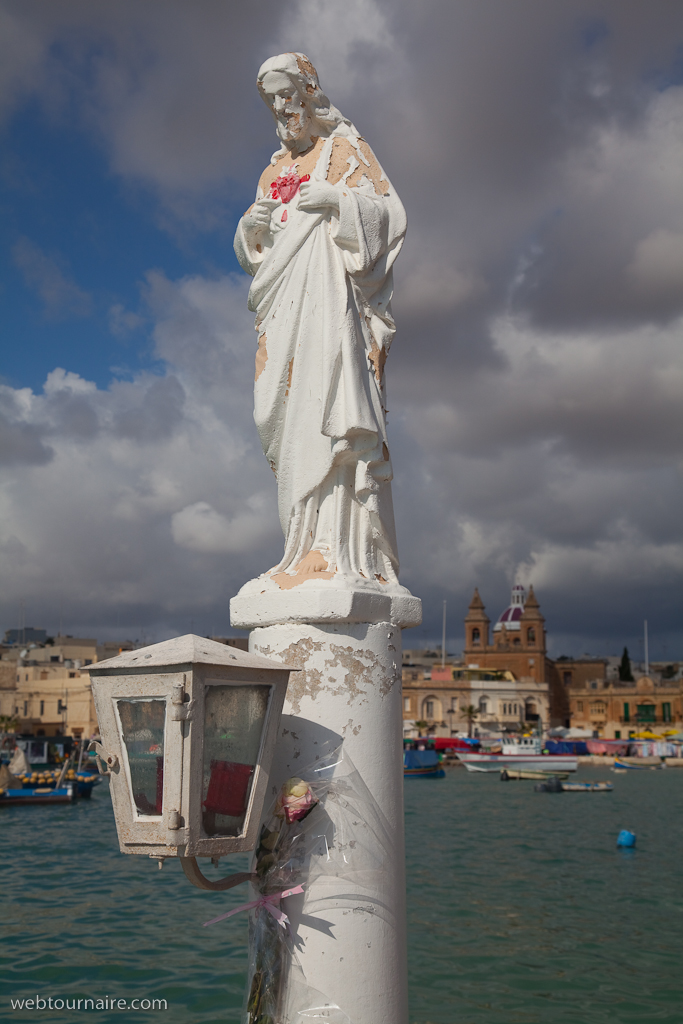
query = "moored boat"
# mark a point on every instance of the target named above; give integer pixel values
(512, 774)
(649, 765)
(422, 764)
(521, 754)
(587, 787)
(36, 795)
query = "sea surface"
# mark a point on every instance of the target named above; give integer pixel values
(521, 910)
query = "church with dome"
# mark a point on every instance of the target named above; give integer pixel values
(518, 642)
(505, 674)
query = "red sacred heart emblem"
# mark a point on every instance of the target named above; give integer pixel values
(286, 186)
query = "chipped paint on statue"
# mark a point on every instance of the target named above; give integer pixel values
(320, 243)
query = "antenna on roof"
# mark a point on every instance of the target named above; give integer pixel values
(647, 653)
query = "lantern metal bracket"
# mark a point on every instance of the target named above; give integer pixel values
(182, 707)
(106, 763)
(182, 712)
(194, 874)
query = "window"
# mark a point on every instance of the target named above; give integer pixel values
(531, 635)
(429, 708)
(598, 708)
(43, 675)
(61, 706)
(514, 709)
(579, 705)
(483, 705)
(516, 642)
(25, 708)
(406, 703)
(476, 636)
(42, 707)
(414, 675)
(567, 678)
(454, 703)
(627, 711)
(666, 712)
(646, 713)
(88, 661)
(617, 734)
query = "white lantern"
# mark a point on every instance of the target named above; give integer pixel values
(188, 730)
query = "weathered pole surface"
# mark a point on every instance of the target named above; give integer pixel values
(354, 944)
(320, 242)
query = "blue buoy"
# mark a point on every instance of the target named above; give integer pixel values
(626, 838)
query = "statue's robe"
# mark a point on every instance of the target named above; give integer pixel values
(322, 297)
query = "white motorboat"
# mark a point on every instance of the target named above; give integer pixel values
(524, 753)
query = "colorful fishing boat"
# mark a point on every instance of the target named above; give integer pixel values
(422, 764)
(630, 766)
(36, 795)
(587, 787)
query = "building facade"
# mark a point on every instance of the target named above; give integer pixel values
(624, 710)
(50, 700)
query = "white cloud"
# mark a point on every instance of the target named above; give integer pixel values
(200, 528)
(140, 492)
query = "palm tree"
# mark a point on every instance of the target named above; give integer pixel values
(470, 713)
(420, 726)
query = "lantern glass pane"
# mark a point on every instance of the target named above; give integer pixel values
(142, 729)
(234, 718)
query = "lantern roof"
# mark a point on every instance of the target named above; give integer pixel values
(187, 650)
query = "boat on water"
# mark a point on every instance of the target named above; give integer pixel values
(512, 774)
(622, 763)
(522, 753)
(554, 785)
(32, 796)
(587, 787)
(422, 764)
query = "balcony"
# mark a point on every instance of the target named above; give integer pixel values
(634, 720)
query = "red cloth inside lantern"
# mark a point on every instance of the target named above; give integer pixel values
(228, 788)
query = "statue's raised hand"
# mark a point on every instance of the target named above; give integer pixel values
(315, 194)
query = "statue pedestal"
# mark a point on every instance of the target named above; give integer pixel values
(353, 936)
(261, 602)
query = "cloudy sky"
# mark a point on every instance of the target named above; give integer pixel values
(536, 380)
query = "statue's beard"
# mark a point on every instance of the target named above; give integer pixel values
(295, 130)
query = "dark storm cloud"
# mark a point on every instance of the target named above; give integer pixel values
(535, 389)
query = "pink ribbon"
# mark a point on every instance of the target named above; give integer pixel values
(267, 903)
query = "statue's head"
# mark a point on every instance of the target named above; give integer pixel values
(289, 85)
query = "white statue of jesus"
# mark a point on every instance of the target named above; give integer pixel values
(320, 242)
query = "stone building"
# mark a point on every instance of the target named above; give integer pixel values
(50, 699)
(505, 673)
(622, 710)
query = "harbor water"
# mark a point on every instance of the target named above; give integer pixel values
(521, 910)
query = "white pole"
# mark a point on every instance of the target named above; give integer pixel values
(647, 653)
(351, 934)
(443, 637)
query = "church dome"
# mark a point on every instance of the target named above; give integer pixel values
(510, 618)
